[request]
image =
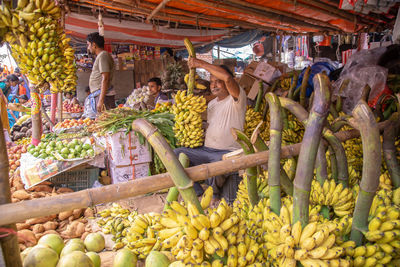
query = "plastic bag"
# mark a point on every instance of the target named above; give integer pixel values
(361, 69)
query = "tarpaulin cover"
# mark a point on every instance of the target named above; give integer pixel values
(237, 41)
(138, 33)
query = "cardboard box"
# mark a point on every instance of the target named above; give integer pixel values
(246, 82)
(251, 68)
(255, 88)
(266, 72)
(125, 149)
(128, 173)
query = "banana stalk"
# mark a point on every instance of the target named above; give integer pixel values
(303, 88)
(333, 111)
(192, 71)
(365, 93)
(293, 85)
(252, 172)
(168, 158)
(334, 165)
(389, 149)
(339, 101)
(339, 165)
(309, 147)
(259, 97)
(363, 119)
(321, 165)
(275, 147)
(173, 192)
(260, 146)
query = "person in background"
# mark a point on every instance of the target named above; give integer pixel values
(4, 114)
(14, 87)
(101, 78)
(89, 104)
(226, 111)
(5, 87)
(23, 83)
(70, 98)
(155, 85)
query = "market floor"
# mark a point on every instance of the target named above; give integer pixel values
(143, 204)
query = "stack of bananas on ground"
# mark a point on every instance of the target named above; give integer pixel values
(333, 195)
(38, 44)
(115, 221)
(188, 123)
(294, 133)
(284, 84)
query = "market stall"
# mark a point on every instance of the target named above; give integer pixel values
(313, 188)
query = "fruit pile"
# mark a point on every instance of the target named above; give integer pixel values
(24, 130)
(61, 150)
(51, 250)
(72, 108)
(38, 44)
(69, 123)
(188, 123)
(138, 96)
(14, 156)
(163, 107)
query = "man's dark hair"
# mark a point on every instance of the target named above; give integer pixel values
(96, 38)
(155, 80)
(17, 70)
(12, 78)
(225, 67)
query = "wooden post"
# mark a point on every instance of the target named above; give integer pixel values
(9, 244)
(60, 107)
(160, 6)
(53, 107)
(274, 49)
(280, 47)
(20, 211)
(36, 115)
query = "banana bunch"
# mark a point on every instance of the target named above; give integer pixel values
(115, 221)
(368, 254)
(285, 83)
(141, 235)
(197, 85)
(333, 195)
(252, 119)
(163, 107)
(384, 181)
(294, 133)
(188, 123)
(315, 245)
(38, 44)
(382, 202)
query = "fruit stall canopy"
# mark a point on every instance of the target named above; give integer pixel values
(166, 22)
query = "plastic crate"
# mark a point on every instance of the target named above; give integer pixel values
(76, 180)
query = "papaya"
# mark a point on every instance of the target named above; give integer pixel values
(125, 258)
(157, 259)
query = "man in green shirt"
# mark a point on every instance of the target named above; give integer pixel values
(100, 81)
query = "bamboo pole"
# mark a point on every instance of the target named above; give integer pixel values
(364, 120)
(8, 244)
(252, 172)
(275, 143)
(309, 147)
(173, 192)
(168, 158)
(20, 211)
(251, 13)
(390, 151)
(284, 13)
(155, 11)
